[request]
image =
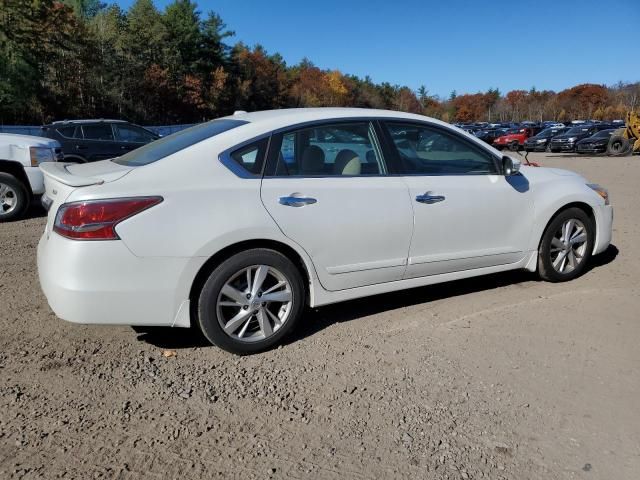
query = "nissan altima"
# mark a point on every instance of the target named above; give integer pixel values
(236, 225)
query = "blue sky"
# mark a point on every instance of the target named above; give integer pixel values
(446, 45)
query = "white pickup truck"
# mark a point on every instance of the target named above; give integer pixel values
(20, 177)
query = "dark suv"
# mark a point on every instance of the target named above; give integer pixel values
(566, 142)
(92, 140)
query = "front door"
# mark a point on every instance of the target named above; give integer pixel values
(327, 189)
(467, 214)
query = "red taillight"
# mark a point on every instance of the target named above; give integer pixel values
(97, 219)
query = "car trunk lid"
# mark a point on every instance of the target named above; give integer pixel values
(61, 179)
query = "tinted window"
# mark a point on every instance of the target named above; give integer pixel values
(99, 131)
(329, 150)
(70, 132)
(251, 157)
(131, 133)
(154, 151)
(424, 150)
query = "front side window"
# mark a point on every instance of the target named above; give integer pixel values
(131, 133)
(100, 131)
(346, 149)
(423, 150)
(70, 132)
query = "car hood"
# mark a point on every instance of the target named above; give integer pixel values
(594, 140)
(576, 135)
(543, 174)
(26, 141)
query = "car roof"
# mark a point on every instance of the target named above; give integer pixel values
(88, 120)
(291, 116)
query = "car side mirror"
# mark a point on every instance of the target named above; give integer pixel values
(510, 166)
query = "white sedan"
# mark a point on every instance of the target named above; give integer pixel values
(238, 224)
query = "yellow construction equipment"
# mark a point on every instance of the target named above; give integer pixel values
(626, 140)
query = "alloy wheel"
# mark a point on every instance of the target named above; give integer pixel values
(568, 246)
(254, 303)
(8, 199)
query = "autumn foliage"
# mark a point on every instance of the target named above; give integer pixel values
(81, 58)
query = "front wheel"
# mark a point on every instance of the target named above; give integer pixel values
(14, 199)
(566, 246)
(251, 301)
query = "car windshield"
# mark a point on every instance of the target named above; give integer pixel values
(578, 130)
(171, 144)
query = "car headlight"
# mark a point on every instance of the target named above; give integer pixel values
(542, 140)
(41, 154)
(600, 190)
(572, 139)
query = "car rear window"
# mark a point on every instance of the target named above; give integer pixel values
(171, 144)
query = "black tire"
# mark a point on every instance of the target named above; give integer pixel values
(618, 146)
(14, 198)
(514, 146)
(211, 316)
(546, 270)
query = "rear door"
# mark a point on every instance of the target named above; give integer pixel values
(327, 188)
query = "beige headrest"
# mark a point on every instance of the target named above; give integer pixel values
(347, 163)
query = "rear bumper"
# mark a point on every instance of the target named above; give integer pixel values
(102, 282)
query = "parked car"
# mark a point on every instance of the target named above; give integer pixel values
(490, 135)
(21, 180)
(91, 140)
(541, 142)
(514, 139)
(566, 142)
(596, 143)
(237, 224)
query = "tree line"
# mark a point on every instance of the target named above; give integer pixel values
(84, 58)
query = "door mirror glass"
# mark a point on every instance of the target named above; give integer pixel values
(510, 166)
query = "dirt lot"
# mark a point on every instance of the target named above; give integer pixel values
(496, 377)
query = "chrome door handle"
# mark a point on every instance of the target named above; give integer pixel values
(295, 201)
(429, 198)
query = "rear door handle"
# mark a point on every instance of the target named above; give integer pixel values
(81, 147)
(429, 198)
(296, 200)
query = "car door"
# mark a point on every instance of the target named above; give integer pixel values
(327, 189)
(99, 142)
(467, 215)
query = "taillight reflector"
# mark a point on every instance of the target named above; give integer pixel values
(97, 219)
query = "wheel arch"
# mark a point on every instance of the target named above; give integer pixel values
(220, 256)
(17, 170)
(585, 207)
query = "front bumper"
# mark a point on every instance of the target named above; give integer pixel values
(36, 179)
(535, 147)
(102, 282)
(604, 228)
(591, 149)
(562, 147)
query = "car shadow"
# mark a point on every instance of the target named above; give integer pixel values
(318, 319)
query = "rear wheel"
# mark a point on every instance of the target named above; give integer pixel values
(514, 146)
(14, 199)
(566, 246)
(251, 301)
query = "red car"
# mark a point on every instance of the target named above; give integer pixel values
(514, 139)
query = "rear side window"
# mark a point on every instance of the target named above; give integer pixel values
(70, 132)
(345, 149)
(251, 157)
(100, 131)
(171, 144)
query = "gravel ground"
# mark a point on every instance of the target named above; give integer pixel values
(496, 377)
